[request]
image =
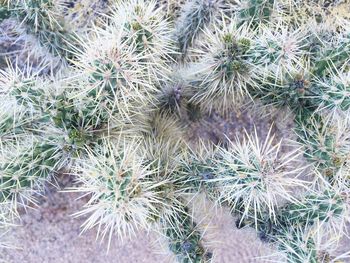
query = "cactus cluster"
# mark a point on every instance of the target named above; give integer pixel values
(107, 92)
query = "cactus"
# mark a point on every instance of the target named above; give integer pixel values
(4, 10)
(298, 247)
(124, 195)
(112, 65)
(197, 15)
(279, 49)
(185, 239)
(326, 142)
(26, 172)
(79, 15)
(223, 73)
(252, 175)
(42, 20)
(172, 8)
(293, 91)
(333, 57)
(314, 209)
(15, 122)
(332, 94)
(256, 11)
(139, 76)
(172, 98)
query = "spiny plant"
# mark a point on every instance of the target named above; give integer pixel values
(4, 11)
(79, 15)
(144, 27)
(224, 71)
(41, 20)
(124, 194)
(325, 211)
(176, 223)
(185, 239)
(15, 121)
(24, 170)
(23, 50)
(317, 209)
(253, 177)
(117, 116)
(332, 93)
(292, 91)
(111, 63)
(172, 8)
(256, 11)
(279, 48)
(300, 247)
(172, 98)
(326, 142)
(197, 15)
(28, 157)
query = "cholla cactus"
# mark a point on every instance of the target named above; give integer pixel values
(326, 142)
(24, 169)
(79, 15)
(256, 11)
(39, 13)
(185, 240)
(140, 77)
(224, 72)
(331, 57)
(279, 49)
(327, 208)
(297, 246)
(14, 121)
(39, 25)
(172, 8)
(299, 232)
(22, 50)
(197, 16)
(253, 177)
(124, 195)
(172, 97)
(110, 62)
(292, 91)
(42, 20)
(163, 138)
(4, 10)
(145, 24)
(332, 94)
